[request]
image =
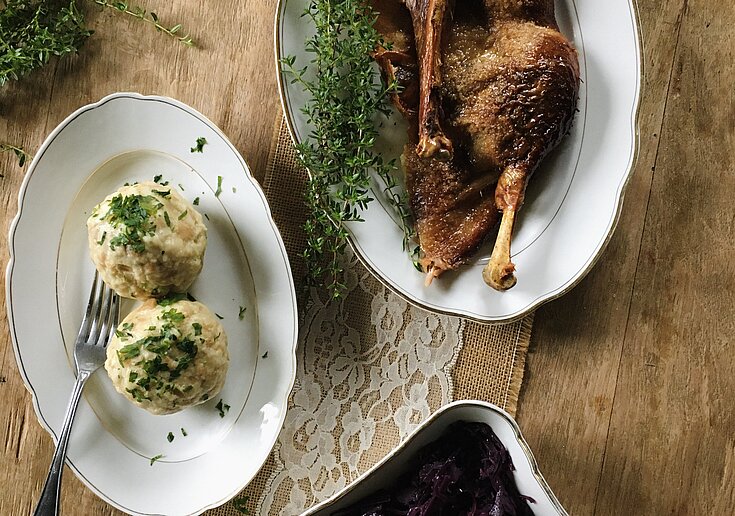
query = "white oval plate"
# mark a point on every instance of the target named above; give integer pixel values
(127, 137)
(527, 476)
(573, 201)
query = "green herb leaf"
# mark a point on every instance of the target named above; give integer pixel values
(240, 504)
(151, 18)
(170, 437)
(196, 201)
(20, 154)
(222, 408)
(183, 214)
(183, 432)
(219, 186)
(199, 147)
(156, 458)
(241, 314)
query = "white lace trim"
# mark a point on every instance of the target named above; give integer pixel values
(364, 381)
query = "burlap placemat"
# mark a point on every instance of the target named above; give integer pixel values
(491, 358)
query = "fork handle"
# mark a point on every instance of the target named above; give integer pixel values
(48, 504)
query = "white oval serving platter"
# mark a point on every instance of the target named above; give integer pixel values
(573, 201)
(527, 476)
(127, 137)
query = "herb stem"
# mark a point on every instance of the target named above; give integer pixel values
(148, 17)
(346, 94)
(20, 154)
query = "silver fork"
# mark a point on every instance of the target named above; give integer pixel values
(98, 327)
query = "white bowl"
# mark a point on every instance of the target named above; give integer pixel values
(527, 476)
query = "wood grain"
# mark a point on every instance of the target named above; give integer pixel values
(628, 399)
(629, 404)
(230, 78)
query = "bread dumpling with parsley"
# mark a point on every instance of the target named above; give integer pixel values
(168, 355)
(146, 241)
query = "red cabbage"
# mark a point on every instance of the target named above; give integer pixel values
(467, 471)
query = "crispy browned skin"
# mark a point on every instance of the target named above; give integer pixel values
(510, 90)
(513, 79)
(452, 202)
(453, 207)
(429, 19)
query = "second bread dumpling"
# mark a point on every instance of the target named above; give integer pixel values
(168, 355)
(146, 240)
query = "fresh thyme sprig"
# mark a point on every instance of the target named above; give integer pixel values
(19, 153)
(346, 94)
(33, 31)
(148, 17)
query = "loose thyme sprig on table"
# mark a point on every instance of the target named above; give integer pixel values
(148, 17)
(33, 31)
(20, 154)
(346, 94)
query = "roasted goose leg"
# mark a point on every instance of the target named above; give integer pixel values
(509, 92)
(429, 18)
(513, 80)
(452, 201)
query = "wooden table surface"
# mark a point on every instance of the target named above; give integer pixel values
(628, 401)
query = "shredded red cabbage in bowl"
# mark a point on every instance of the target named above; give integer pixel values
(467, 471)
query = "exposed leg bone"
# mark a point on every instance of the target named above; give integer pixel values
(429, 18)
(498, 273)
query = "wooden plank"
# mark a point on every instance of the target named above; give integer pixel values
(577, 341)
(230, 78)
(672, 436)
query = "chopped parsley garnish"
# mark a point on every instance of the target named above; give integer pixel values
(240, 504)
(156, 458)
(234, 190)
(169, 349)
(219, 186)
(181, 187)
(123, 331)
(265, 355)
(128, 352)
(183, 214)
(183, 432)
(195, 202)
(166, 218)
(188, 346)
(170, 299)
(206, 216)
(222, 407)
(218, 316)
(172, 315)
(197, 328)
(241, 314)
(162, 193)
(170, 437)
(201, 142)
(133, 215)
(102, 240)
(157, 179)
(138, 394)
